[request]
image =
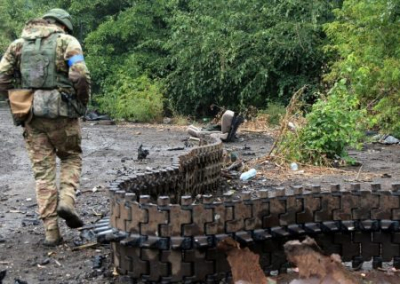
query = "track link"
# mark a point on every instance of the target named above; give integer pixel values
(165, 224)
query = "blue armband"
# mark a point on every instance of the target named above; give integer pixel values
(74, 59)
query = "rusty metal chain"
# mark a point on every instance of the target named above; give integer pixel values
(165, 224)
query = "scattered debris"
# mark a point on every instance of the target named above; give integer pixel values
(95, 116)
(385, 139)
(31, 205)
(142, 153)
(85, 246)
(18, 281)
(357, 178)
(298, 172)
(97, 214)
(176, 149)
(292, 126)
(244, 263)
(3, 274)
(236, 165)
(93, 190)
(51, 253)
(311, 261)
(17, 211)
(248, 175)
(234, 156)
(45, 261)
(86, 236)
(246, 148)
(167, 120)
(57, 262)
(193, 141)
(229, 175)
(249, 154)
(96, 188)
(77, 241)
(97, 261)
(294, 166)
(30, 221)
(124, 159)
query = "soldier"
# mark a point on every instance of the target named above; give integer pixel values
(48, 60)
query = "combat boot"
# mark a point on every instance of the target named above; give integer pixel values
(53, 237)
(66, 210)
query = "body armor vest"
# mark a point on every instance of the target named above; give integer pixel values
(38, 64)
(39, 72)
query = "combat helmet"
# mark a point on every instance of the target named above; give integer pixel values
(61, 16)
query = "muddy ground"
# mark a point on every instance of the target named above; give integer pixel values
(110, 149)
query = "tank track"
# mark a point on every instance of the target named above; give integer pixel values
(165, 224)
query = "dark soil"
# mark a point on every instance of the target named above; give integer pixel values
(108, 151)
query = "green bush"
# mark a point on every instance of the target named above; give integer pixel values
(138, 99)
(333, 124)
(275, 112)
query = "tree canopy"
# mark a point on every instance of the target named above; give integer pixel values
(233, 53)
(365, 37)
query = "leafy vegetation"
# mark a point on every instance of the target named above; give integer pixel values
(365, 36)
(333, 124)
(15, 13)
(364, 77)
(240, 53)
(139, 99)
(230, 53)
(274, 111)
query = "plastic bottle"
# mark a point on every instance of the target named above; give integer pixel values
(294, 166)
(248, 175)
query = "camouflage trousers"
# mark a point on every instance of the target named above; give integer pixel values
(46, 139)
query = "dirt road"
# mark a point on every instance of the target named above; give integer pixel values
(109, 149)
(106, 148)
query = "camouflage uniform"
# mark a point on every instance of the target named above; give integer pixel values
(45, 139)
(54, 130)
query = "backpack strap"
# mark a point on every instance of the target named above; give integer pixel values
(38, 42)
